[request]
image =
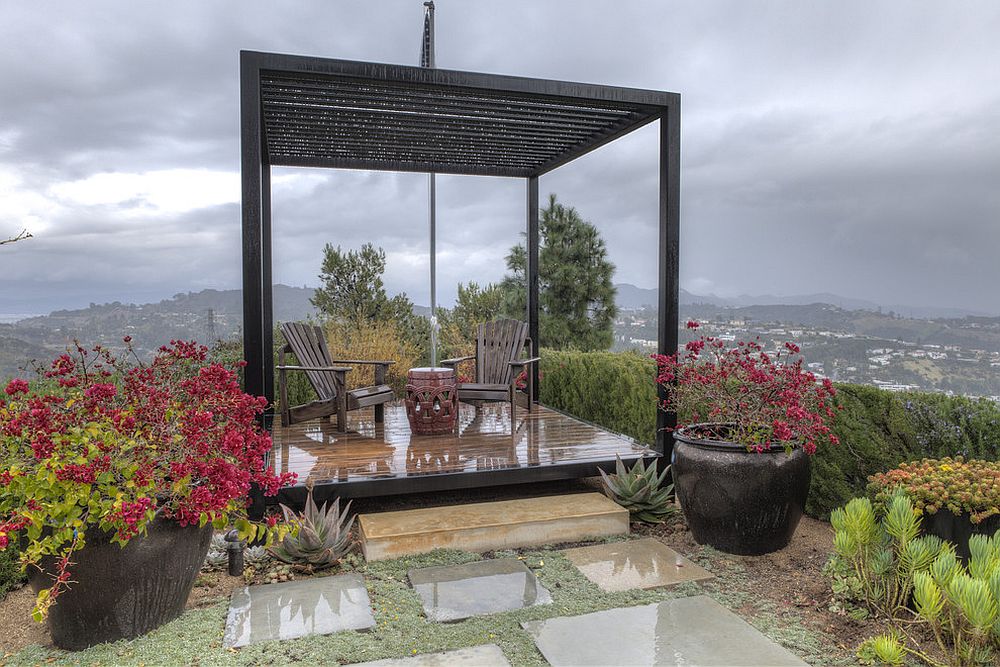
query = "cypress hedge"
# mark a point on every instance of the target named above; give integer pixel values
(878, 429)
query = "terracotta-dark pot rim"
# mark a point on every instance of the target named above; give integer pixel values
(681, 435)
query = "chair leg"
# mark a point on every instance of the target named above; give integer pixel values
(513, 409)
(379, 413)
(342, 414)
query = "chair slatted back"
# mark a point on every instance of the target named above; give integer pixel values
(309, 346)
(497, 344)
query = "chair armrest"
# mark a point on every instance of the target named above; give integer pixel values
(336, 369)
(517, 363)
(456, 360)
(360, 361)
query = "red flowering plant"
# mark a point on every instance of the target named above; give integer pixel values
(746, 395)
(97, 444)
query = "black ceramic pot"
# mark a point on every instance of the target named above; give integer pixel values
(122, 593)
(958, 529)
(737, 501)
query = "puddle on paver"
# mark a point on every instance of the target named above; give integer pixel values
(315, 606)
(454, 592)
(685, 631)
(645, 563)
(487, 655)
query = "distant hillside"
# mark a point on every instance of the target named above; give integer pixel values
(204, 316)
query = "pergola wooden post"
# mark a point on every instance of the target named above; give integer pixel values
(319, 112)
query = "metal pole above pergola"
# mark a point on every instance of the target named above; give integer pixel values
(319, 112)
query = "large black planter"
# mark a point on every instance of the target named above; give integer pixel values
(737, 501)
(959, 528)
(122, 593)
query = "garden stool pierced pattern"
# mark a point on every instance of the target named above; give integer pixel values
(431, 400)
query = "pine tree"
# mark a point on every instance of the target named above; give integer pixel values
(352, 288)
(576, 294)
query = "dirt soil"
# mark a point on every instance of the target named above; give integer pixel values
(791, 577)
(18, 629)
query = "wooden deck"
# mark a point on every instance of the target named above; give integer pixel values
(374, 460)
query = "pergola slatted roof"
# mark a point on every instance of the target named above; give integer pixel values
(345, 114)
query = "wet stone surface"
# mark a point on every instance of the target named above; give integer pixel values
(643, 563)
(316, 606)
(487, 655)
(686, 631)
(454, 592)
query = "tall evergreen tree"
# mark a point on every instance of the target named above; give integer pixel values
(351, 287)
(576, 294)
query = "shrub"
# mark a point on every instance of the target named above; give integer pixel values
(614, 390)
(372, 341)
(957, 485)
(881, 551)
(11, 575)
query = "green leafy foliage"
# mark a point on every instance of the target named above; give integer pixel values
(876, 554)
(961, 604)
(321, 537)
(641, 491)
(11, 575)
(576, 293)
(884, 649)
(614, 390)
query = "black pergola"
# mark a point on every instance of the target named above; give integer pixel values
(298, 111)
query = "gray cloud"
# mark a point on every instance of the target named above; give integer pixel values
(849, 147)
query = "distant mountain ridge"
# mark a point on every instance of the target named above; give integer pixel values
(630, 296)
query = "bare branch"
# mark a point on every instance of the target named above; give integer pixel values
(25, 234)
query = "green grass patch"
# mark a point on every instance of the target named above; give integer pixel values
(401, 629)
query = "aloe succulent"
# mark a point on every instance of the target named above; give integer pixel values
(322, 538)
(641, 491)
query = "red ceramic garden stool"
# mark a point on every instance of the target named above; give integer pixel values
(431, 400)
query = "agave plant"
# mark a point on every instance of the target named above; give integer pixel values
(641, 491)
(322, 538)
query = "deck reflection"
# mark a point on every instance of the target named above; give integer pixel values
(483, 441)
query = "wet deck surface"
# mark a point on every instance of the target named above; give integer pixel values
(483, 441)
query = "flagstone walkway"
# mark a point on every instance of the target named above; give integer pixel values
(692, 630)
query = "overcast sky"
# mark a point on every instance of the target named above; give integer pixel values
(849, 147)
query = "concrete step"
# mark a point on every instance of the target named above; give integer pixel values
(502, 524)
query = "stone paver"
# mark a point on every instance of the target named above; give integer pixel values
(315, 606)
(643, 563)
(487, 655)
(454, 592)
(686, 631)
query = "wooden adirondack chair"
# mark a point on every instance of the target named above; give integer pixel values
(328, 377)
(499, 348)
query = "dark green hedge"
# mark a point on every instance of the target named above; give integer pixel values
(10, 570)
(877, 429)
(613, 390)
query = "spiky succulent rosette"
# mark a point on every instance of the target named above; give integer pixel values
(641, 491)
(322, 538)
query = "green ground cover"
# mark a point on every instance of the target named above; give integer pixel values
(196, 637)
